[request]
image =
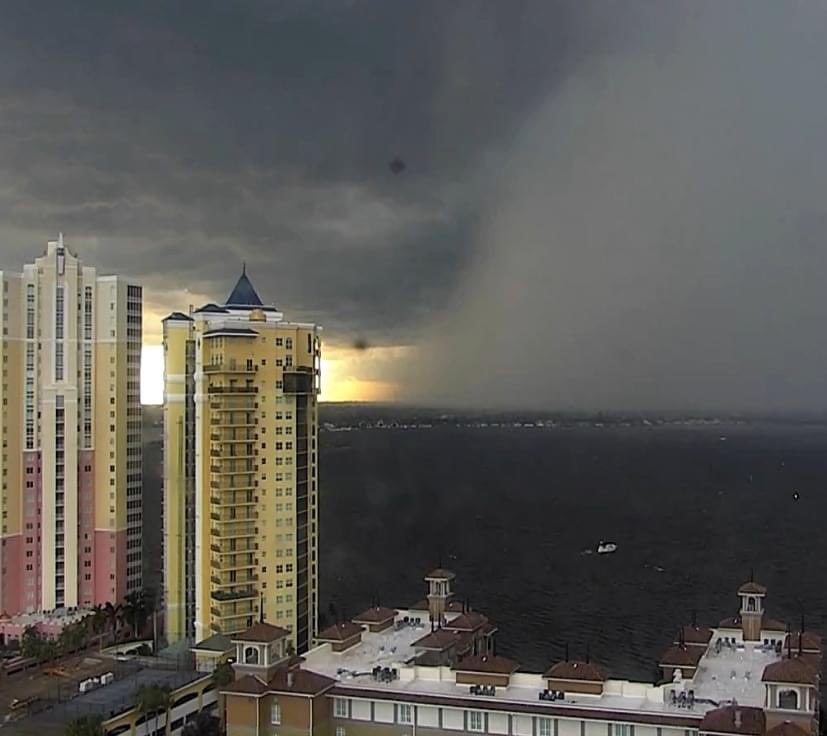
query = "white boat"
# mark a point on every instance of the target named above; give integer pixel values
(605, 548)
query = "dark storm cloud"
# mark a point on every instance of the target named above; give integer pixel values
(656, 237)
(174, 140)
(604, 204)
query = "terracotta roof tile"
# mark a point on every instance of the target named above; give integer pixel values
(261, 632)
(247, 685)
(306, 682)
(376, 615)
(787, 729)
(682, 656)
(440, 574)
(771, 624)
(470, 621)
(811, 642)
(439, 640)
(794, 670)
(570, 670)
(696, 635)
(340, 632)
(752, 588)
(487, 664)
(733, 622)
(735, 719)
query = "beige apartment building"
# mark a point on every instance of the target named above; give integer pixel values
(240, 470)
(71, 435)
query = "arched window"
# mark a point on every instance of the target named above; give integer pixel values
(750, 604)
(251, 655)
(788, 699)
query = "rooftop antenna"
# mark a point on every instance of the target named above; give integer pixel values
(588, 653)
(244, 268)
(751, 574)
(789, 643)
(261, 609)
(801, 637)
(694, 619)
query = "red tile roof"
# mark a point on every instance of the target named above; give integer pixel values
(470, 621)
(376, 615)
(752, 588)
(570, 670)
(487, 664)
(247, 685)
(261, 633)
(682, 657)
(735, 719)
(793, 670)
(787, 729)
(299, 681)
(696, 635)
(770, 624)
(811, 642)
(734, 622)
(340, 632)
(440, 574)
(439, 640)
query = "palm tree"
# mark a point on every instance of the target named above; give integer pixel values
(113, 613)
(153, 698)
(222, 676)
(137, 608)
(84, 726)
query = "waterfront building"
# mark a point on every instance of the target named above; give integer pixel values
(434, 669)
(70, 503)
(240, 470)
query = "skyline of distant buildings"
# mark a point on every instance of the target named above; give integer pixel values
(71, 430)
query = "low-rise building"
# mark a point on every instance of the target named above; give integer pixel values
(434, 670)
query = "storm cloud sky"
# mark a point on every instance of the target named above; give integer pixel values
(606, 205)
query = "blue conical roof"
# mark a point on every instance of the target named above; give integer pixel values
(243, 293)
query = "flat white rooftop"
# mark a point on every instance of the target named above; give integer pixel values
(393, 648)
(734, 673)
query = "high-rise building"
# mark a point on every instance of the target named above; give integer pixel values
(240, 470)
(71, 435)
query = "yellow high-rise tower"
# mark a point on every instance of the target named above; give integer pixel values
(240, 470)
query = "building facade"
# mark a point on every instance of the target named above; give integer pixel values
(432, 670)
(240, 470)
(71, 430)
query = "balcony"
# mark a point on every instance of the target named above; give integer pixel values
(232, 531)
(242, 594)
(231, 367)
(218, 582)
(222, 502)
(226, 519)
(249, 486)
(226, 438)
(248, 469)
(232, 390)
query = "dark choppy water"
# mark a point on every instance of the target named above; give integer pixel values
(514, 509)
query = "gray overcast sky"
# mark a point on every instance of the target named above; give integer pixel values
(606, 204)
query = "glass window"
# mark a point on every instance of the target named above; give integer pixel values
(405, 713)
(474, 720)
(340, 707)
(275, 714)
(544, 727)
